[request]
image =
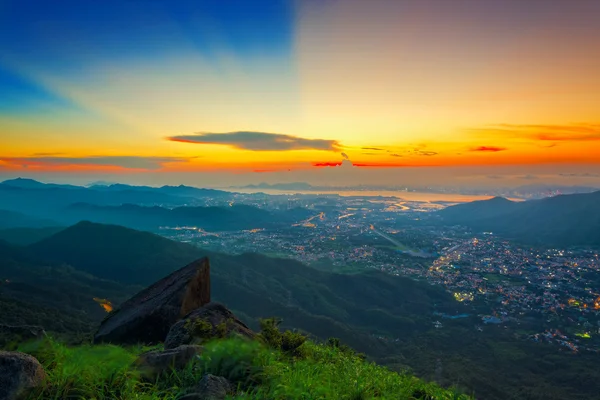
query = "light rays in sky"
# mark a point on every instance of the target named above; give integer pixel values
(140, 87)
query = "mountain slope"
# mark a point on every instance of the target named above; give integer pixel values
(253, 284)
(562, 220)
(114, 252)
(389, 318)
(151, 218)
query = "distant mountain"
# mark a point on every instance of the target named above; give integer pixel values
(281, 186)
(181, 190)
(235, 217)
(561, 220)
(49, 200)
(12, 219)
(24, 183)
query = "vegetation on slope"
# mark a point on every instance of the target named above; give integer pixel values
(259, 370)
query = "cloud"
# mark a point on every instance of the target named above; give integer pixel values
(327, 164)
(427, 153)
(414, 151)
(345, 156)
(491, 149)
(555, 133)
(258, 141)
(381, 165)
(48, 154)
(130, 162)
(373, 148)
(580, 175)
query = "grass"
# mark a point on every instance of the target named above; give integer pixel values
(321, 371)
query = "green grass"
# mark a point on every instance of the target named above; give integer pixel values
(102, 372)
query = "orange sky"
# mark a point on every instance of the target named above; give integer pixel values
(389, 84)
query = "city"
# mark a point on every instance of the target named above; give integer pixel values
(541, 294)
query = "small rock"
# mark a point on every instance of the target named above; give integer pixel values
(213, 387)
(19, 373)
(154, 363)
(211, 321)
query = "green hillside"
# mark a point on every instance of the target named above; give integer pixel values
(388, 318)
(255, 369)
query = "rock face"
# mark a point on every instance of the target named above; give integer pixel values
(147, 316)
(155, 363)
(212, 320)
(19, 373)
(211, 387)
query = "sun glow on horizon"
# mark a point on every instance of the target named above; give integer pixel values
(389, 84)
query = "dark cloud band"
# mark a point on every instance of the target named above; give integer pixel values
(258, 141)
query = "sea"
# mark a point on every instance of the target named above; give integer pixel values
(408, 196)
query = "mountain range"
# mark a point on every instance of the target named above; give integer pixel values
(63, 282)
(564, 220)
(43, 199)
(26, 203)
(252, 284)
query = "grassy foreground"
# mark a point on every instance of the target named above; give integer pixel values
(318, 371)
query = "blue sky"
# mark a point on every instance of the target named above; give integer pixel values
(69, 36)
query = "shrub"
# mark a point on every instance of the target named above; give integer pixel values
(288, 342)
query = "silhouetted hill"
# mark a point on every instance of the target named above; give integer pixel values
(181, 190)
(49, 200)
(561, 220)
(477, 210)
(54, 295)
(109, 251)
(151, 218)
(25, 183)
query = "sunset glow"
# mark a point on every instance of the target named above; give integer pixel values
(139, 88)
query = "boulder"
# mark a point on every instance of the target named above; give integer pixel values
(147, 316)
(211, 321)
(210, 387)
(154, 363)
(19, 373)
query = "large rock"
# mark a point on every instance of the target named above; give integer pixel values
(19, 373)
(211, 321)
(155, 363)
(210, 387)
(147, 316)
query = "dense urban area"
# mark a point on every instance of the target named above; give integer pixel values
(540, 294)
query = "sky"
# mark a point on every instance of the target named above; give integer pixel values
(220, 92)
